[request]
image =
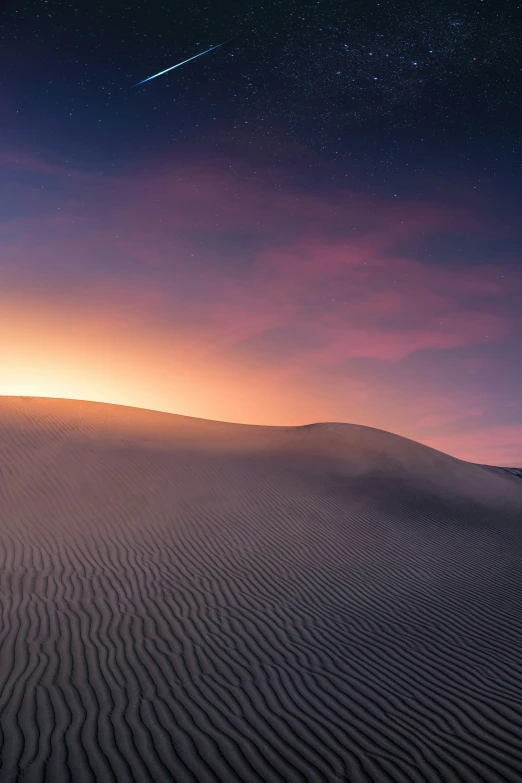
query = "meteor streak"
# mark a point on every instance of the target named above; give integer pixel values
(182, 63)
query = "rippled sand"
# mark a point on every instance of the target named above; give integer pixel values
(185, 600)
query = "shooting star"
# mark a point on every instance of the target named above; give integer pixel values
(182, 63)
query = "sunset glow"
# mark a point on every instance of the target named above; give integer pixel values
(316, 325)
(295, 227)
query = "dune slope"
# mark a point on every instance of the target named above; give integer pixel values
(184, 600)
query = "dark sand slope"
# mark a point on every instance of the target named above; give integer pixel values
(184, 600)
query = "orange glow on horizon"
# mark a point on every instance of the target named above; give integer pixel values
(80, 351)
(74, 354)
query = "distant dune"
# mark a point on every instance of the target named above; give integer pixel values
(187, 600)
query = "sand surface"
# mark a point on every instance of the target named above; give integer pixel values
(184, 600)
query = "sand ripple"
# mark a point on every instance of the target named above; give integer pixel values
(193, 601)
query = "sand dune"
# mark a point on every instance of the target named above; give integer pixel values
(184, 600)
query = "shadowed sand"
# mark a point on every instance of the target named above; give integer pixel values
(186, 600)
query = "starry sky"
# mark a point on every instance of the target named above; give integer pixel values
(319, 220)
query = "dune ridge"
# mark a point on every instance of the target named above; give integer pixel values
(184, 600)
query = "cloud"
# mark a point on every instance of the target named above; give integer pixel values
(269, 276)
(243, 251)
(458, 248)
(493, 445)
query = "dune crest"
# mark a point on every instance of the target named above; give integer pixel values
(187, 600)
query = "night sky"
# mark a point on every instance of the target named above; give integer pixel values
(318, 220)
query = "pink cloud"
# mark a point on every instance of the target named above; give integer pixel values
(441, 419)
(153, 247)
(500, 445)
(367, 302)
